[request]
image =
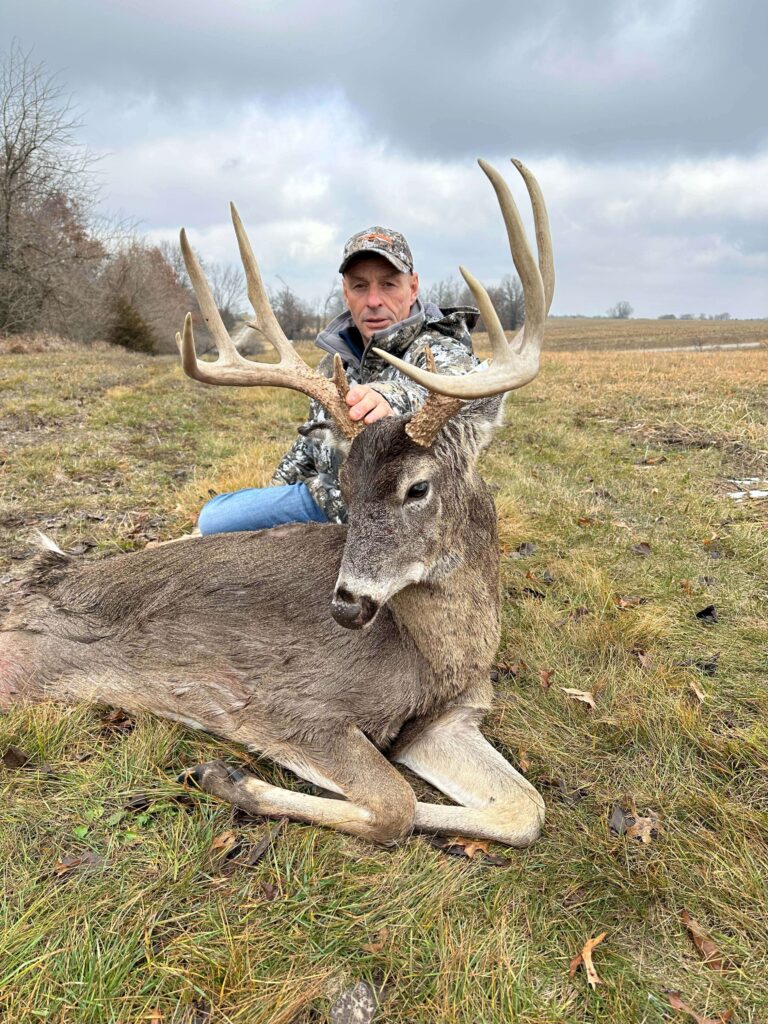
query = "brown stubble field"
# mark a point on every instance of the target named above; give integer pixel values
(611, 478)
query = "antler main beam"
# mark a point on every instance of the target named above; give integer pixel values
(231, 368)
(514, 363)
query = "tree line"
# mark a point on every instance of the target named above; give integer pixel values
(67, 271)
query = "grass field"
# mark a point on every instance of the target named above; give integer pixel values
(120, 903)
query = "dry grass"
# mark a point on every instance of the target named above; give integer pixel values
(163, 924)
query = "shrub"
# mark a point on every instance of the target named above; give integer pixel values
(130, 330)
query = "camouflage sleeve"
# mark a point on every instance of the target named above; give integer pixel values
(295, 466)
(298, 463)
(451, 356)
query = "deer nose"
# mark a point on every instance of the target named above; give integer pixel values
(353, 611)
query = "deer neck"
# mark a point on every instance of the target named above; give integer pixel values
(453, 618)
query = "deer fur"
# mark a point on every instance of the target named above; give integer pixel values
(232, 634)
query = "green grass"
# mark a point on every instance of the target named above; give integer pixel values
(117, 450)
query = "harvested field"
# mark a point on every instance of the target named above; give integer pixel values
(611, 477)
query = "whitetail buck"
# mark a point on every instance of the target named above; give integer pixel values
(334, 650)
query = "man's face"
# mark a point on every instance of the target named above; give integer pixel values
(378, 295)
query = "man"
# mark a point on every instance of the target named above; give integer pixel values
(381, 292)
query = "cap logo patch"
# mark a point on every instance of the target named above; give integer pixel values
(374, 237)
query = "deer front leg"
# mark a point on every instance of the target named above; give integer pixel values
(454, 756)
(379, 803)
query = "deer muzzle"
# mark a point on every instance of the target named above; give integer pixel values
(353, 611)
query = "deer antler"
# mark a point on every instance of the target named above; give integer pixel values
(514, 363)
(231, 368)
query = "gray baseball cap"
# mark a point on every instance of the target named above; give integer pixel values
(379, 241)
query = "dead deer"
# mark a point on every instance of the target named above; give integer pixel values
(337, 651)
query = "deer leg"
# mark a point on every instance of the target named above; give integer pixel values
(379, 803)
(454, 756)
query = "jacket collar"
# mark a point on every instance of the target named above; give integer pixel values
(398, 337)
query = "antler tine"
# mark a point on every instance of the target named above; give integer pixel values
(232, 368)
(513, 365)
(210, 311)
(541, 225)
(266, 321)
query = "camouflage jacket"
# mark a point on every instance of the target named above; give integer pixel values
(446, 332)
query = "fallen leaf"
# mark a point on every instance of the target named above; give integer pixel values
(585, 521)
(708, 614)
(687, 587)
(355, 1006)
(585, 958)
(585, 696)
(642, 549)
(224, 841)
(711, 955)
(378, 943)
(523, 763)
(652, 460)
(155, 1017)
(15, 757)
(117, 721)
(697, 691)
(645, 829)
(628, 602)
(619, 821)
(545, 677)
(68, 864)
(468, 848)
(252, 857)
(269, 891)
(645, 658)
(676, 1002)
(572, 616)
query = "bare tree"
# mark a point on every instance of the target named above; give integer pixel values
(46, 190)
(621, 311)
(292, 313)
(228, 286)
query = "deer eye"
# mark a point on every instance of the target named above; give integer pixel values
(416, 491)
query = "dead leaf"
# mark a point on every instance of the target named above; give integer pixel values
(524, 550)
(252, 857)
(68, 864)
(155, 1017)
(585, 521)
(522, 762)
(708, 614)
(15, 757)
(711, 955)
(468, 848)
(585, 696)
(645, 829)
(585, 958)
(117, 722)
(628, 602)
(224, 841)
(355, 1006)
(545, 677)
(687, 587)
(697, 691)
(379, 942)
(645, 658)
(676, 1002)
(269, 891)
(642, 549)
(652, 460)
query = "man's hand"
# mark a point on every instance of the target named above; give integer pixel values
(367, 404)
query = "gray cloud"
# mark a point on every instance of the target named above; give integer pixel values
(595, 78)
(644, 120)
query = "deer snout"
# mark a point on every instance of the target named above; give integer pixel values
(353, 611)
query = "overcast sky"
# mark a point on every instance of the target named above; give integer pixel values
(645, 121)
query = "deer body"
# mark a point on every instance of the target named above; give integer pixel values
(333, 650)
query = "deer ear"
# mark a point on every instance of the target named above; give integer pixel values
(473, 428)
(328, 433)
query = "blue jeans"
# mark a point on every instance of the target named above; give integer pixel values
(258, 508)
